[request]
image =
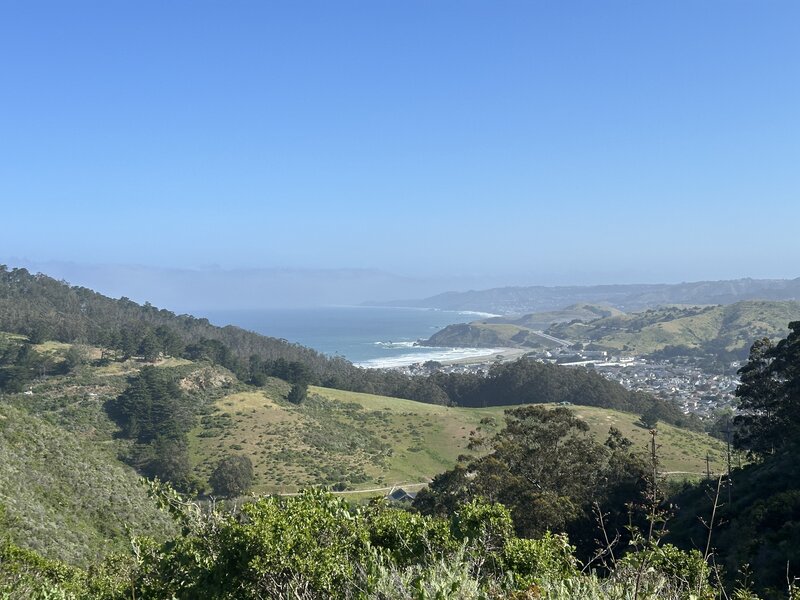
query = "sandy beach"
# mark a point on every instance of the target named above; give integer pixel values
(497, 354)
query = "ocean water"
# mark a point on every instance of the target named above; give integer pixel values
(368, 336)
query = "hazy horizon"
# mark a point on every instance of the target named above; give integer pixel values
(214, 288)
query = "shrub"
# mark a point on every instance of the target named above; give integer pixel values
(687, 569)
(532, 561)
(232, 477)
(408, 537)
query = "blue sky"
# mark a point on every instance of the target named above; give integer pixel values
(535, 142)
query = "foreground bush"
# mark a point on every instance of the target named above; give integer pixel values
(316, 545)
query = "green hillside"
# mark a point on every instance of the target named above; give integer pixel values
(67, 491)
(366, 441)
(724, 332)
(487, 334)
(581, 312)
(66, 496)
(64, 491)
(517, 332)
(712, 329)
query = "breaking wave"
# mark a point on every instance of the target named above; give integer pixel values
(394, 345)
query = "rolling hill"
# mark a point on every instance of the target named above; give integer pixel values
(67, 496)
(516, 332)
(362, 441)
(709, 329)
(725, 331)
(66, 490)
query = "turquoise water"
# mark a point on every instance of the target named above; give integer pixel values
(368, 336)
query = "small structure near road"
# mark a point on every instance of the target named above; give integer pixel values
(401, 495)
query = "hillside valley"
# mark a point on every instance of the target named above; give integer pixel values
(59, 426)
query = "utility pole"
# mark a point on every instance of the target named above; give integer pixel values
(708, 466)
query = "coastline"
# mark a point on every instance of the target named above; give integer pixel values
(497, 355)
(372, 337)
(470, 356)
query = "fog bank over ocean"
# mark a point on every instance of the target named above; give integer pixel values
(188, 290)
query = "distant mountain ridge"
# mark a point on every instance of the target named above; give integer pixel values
(626, 297)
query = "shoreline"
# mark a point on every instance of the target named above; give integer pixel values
(497, 355)
(483, 356)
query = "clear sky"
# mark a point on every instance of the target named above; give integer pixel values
(548, 141)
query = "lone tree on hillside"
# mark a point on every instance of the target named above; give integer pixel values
(649, 418)
(298, 393)
(232, 477)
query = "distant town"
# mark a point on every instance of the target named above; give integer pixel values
(695, 390)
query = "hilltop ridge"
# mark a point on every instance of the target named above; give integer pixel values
(723, 330)
(627, 297)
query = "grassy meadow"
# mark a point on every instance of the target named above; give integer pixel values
(362, 441)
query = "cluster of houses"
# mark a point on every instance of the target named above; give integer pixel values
(692, 388)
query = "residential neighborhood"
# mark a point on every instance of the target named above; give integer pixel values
(695, 390)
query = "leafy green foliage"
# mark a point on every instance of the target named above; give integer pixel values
(769, 395)
(20, 364)
(548, 470)
(315, 546)
(533, 561)
(25, 574)
(152, 406)
(758, 527)
(527, 381)
(298, 393)
(407, 536)
(649, 418)
(758, 520)
(688, 567)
